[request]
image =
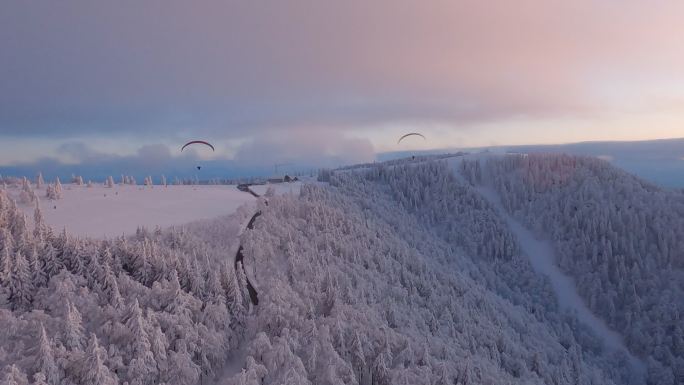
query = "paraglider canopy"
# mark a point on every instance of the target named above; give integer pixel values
(197, 142)
(410, 134)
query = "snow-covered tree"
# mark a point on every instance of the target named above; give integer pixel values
(73, 334)
(94, 371)
(45, 360)
(19, 285)
(14, 376)
(39, 180)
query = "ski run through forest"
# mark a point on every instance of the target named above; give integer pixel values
(517, 269)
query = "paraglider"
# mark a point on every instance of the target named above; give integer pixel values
(197, 142)
(410, 134)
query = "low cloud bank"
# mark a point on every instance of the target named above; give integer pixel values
(301, 150)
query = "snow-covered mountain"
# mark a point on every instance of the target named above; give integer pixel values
(410, 272)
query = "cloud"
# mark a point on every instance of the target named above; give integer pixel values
(237, 69)
(302, 150)
(305, 147)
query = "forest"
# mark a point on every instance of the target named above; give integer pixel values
(398, 273)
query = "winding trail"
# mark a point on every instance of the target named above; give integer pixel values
(542, 258)
(239, 257)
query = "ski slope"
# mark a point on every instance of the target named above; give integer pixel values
(542, 258)
(109, 212)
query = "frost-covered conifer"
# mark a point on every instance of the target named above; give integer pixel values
(39, 180)
(93, 370)
(45, 360)
(14, 376)
(58, 188)
(38, 222)
(182, 370)
(358, 358)
(381, 371)
(142, 367)
(20, 285)
(73, 334)
(39, 379)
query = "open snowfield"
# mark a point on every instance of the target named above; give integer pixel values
(280, 188)
(108, 212)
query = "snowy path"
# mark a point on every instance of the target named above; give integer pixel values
(542, 259)
(239, 256)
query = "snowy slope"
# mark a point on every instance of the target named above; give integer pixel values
(99, 211)
(360, 283)
(543, 261)
(618, 238)
(398, 273)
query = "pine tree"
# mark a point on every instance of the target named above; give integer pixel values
(110, 287)
(50, 192)
(51, 261)
(14, 376)
(142, 368)
(20, 285)
(45, 361)
(175, 301)
(6, 253)
(230, 288)
(39, 277)
(242, 283)
(39, 379)
(58, 189)
(38, 223)
(358, 358)
(381, 372)
(73, 328)
(182, 370)
(159, 345)
(39, 180)
(329, 299)
(94, 371)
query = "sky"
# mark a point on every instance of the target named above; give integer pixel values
(124, 84)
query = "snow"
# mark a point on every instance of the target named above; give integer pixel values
(426, 275)
(108, 212)
(280, 188)
(542, 258)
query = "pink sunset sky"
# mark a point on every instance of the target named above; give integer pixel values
(331, 78)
